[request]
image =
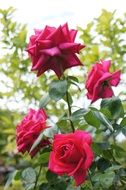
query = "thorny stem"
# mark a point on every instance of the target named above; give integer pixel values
(37, 177)
(69, 110)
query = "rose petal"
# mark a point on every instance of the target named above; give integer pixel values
(115, 78)
(80, 176)
(52, 51)
(106, 65)
(84, 136)
(89, 156)
(58, 167)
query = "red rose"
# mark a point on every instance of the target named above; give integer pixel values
(100, 80)
(54, 48)
(71, 155)
(29, 129)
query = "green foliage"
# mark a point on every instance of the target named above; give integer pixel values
(57, 89)
(114, 105)
(104, 39)
(29, 178)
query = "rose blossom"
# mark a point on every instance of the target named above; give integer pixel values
(100, 80)
(55, 49)
(29, 129)
(71, 155)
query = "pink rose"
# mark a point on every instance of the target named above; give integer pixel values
(55, 49)
(71, 155)
(100, 80)
(29, 129)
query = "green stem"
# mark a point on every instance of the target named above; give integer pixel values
(89, 175)
(37, 177)
(69, 110)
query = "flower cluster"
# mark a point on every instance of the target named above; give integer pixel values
(55, 49)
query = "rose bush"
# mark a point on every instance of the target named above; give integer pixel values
(72, 155)
(55, 49)
(100, 80)
(69, 154)
(28, 130)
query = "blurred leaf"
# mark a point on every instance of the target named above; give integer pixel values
(114, 168)
(10, 179)
(57, 89)
(106, 179)
(29, 178)
(91, 119)
(77, 115)
(114, 105)
(123, 122)
(44, 158)
(104, 121)
(72, 78)
(51, 176)
(49, 132)
(44, 101)
(124, 130)
(103, 164)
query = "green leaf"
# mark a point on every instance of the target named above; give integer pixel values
(72, 78)
(55, 183)
(103, 164)
(63, 125)
(77, 115)
(18, 175)
(95, 118)
(57, 89)
(60, 185)
(106, 179)
(44, 186)
(103, 145)
(37, 141)
(49, 132)
(123, 122)
(124, 130)
(44, 101)
(44, 158)
(29, 178)
(114, 105)
(96, 149)
(51, 177)
(104, 121)
(91, 119)
(74, 81)
(123, 126)
(113, 168)
(10, 179)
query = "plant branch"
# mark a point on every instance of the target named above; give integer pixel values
(89, 175)
(69, 110)
(39, 172)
